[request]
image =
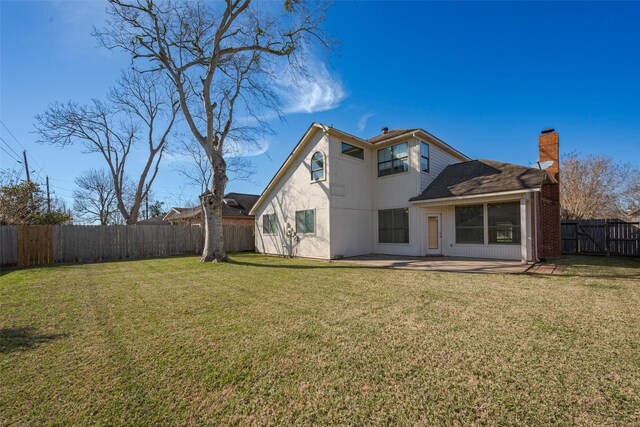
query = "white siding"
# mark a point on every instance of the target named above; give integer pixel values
(293, 192)
(438, 160)
(351, 207)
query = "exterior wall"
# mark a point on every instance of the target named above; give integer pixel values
(295, 191)
(351, 201)
(493, 251)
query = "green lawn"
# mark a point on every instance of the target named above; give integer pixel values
(267, 340)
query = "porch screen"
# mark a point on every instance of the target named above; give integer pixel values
(393, 225)
(504, 223)
(470, 224)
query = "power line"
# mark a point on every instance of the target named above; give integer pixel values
(19, 143)
(9, 154)
(10, 147)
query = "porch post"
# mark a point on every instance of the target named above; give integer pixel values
(525, 235)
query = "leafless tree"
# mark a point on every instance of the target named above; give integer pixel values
(595, 186)
(196, 169)
(95, 198)
(138, 110)
(222, 58)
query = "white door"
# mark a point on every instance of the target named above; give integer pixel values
(434, 234)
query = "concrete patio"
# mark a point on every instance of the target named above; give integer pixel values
(440, 263)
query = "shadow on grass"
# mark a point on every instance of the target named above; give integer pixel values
(23, 338)
(319, 265)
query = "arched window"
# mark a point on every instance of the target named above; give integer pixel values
(317, 166)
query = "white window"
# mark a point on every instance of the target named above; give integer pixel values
(305, 221)
(470, 224)
(424, 157)
(269, 224)
(393, 159)
(352, 150)
(504, 223)
(317, 166)
(393, 225)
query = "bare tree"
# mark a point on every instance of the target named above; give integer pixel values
(594, 186)
(139, 110)
(95, 198)
(197, 169)
(221, 58)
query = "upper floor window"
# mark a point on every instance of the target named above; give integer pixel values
(317, 166)
(424, 157)
(504, 223)
(393, 159)
(352, 150)
(305, 221)
(269, 224)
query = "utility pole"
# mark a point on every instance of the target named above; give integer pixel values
(26, 165)
(26, 168)
(48, 197)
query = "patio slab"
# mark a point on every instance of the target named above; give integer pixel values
(440, 263)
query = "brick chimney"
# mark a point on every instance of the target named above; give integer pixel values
(549, 240)
(548, 147)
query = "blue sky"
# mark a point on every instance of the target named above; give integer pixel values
(484, 77)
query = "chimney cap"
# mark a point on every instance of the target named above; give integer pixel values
(385, 130)
(549, 130)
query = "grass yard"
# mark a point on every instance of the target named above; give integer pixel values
(267, 340)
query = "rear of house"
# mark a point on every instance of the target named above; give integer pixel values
(406, 192)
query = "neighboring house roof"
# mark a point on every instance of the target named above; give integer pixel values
(155, 220)
(236, 204)
(481, 177)
(346, 137)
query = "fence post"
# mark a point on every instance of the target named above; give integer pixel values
(606, 236)
(575, 228)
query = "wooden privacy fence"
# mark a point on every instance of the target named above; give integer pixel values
(600, 237)
(27, 245)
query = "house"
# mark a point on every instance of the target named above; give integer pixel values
(406, 192)
(234, 212)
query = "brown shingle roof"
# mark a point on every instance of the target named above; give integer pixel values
(481, 177)
(244, 204)
(390, 134)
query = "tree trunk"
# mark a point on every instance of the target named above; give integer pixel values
(212, 203)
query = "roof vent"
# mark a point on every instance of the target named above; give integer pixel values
(385, 130)
(231, 202)
(548, 130)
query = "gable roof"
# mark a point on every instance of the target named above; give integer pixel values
(390, 135)
(478, 177)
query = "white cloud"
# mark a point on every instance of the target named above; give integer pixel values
(319, 91)
(362, 122)
(248, 150)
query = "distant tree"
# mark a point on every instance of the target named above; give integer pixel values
(155, 208)
(595, 186)
(95, 198)
(24, 202)
(222, 58)
(139, 110)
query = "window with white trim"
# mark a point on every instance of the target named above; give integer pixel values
(470, 224)
(393, 159)
(352, 150)
(269, 223)
(504, 223)
(393, 225)
(424, 157)
(305, 221)
(317, 166)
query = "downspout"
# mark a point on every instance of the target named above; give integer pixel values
(535, 227)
